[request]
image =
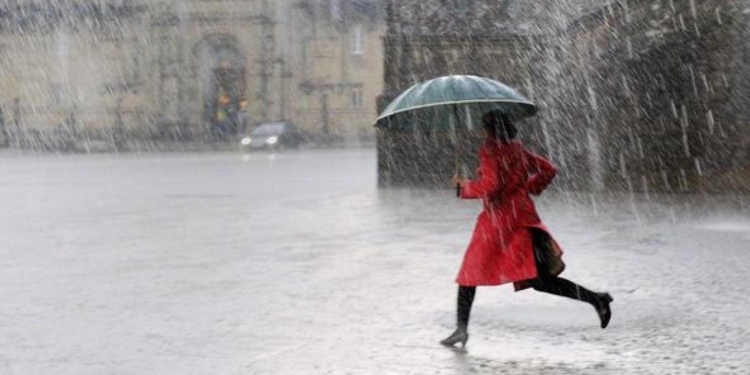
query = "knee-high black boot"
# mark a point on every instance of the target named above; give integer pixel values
(566, 288)
(463, 311)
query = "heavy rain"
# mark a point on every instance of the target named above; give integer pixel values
(269, 186)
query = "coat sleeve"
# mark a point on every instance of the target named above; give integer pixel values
(542, 173)
(487, 182)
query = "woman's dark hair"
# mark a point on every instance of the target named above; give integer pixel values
(499, 126)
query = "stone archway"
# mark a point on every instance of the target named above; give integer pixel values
(221, 68)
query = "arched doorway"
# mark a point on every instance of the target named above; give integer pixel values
(222, 68)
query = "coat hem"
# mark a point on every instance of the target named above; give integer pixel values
(523, 284)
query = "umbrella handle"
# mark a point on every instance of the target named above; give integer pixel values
(455, 129)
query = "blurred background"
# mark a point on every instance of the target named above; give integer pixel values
(634, 95)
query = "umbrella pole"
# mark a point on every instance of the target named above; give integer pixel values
(455, 130)
(458, 186)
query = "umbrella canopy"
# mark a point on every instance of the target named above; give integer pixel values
(459, 91)
(451, 106)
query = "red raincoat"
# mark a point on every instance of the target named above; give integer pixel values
(501, 249)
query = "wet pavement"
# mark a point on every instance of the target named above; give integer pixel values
(296, 263)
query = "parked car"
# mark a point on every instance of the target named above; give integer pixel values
(272, 136)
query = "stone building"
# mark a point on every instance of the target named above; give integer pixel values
(429, 39)
(634, 95)
(661, 88)
(110, 71)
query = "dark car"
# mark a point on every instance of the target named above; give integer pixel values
(273, 136)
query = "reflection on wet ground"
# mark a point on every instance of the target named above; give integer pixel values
(297, 264)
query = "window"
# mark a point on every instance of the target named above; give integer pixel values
(357, 40)
(357, 98)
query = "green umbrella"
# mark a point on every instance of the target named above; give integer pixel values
(445, 103)
(451, 91)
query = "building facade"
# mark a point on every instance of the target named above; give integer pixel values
(121, 72)
(429, 39)
(634, 95)
(660, 86)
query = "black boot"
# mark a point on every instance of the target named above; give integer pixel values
(463, 310)
(566, 288)
(602, 308)
(459, 335)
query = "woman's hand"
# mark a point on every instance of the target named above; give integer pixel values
(457, 180)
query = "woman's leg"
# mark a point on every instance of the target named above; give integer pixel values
(566, 288)
(463, 311)
(463, 306)
(562, 287)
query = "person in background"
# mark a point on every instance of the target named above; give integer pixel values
(222, 115)
(242, 117)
